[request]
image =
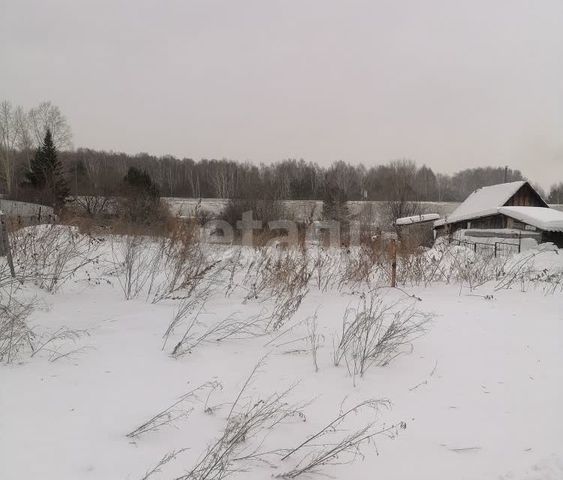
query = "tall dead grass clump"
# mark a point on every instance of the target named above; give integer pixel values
(50, 255)
(374, 333)
(16, 336)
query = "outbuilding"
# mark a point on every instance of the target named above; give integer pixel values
(417, 229)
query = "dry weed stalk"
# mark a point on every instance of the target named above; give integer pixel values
(15, 334)
(54, 342)
(178, 410)
(248, 423)
(314, 339)
(169, 457)
(326, 447)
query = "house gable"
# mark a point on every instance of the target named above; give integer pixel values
(525, 196)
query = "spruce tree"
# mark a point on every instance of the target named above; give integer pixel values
(140, 202)
(335, 203)
(45, 174)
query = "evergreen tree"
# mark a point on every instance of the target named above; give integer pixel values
(335, 206)
(140, 200)
(45, 174)
(141, 183)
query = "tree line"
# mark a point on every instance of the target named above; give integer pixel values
(99, 172)
(89, 172)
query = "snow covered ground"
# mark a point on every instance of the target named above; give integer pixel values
(480, 393)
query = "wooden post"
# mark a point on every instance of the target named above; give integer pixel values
(5, 245)
(495, 249)
(393, 262)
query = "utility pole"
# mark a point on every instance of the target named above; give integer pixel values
(505, 174)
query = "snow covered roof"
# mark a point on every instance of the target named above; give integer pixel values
(547, 219)
(482, 202)
(427, 217)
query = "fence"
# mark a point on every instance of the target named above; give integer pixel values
(496, 249)
(12, 208)
(23, 214)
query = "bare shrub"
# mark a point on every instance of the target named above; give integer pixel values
(374, 333)
(449, 264)
(50, 255)
(165, 267)
(264, 209)
(94, 205)
(364, 266)
(183, 265)
(285, 276)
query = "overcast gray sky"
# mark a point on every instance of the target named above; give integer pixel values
(452, 84)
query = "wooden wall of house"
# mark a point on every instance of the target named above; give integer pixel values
(493, 221)
(526, 196)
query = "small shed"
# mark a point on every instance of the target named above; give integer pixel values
(417, 229)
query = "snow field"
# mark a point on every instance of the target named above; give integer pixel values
(480, 392)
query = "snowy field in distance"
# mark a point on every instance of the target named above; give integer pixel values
(302, 209)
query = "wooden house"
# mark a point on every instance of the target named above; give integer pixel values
(515, 206)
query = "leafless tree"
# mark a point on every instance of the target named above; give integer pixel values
(8, 144)
(48, 116)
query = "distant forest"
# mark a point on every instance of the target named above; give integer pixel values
(94, 172)
(97, 172)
